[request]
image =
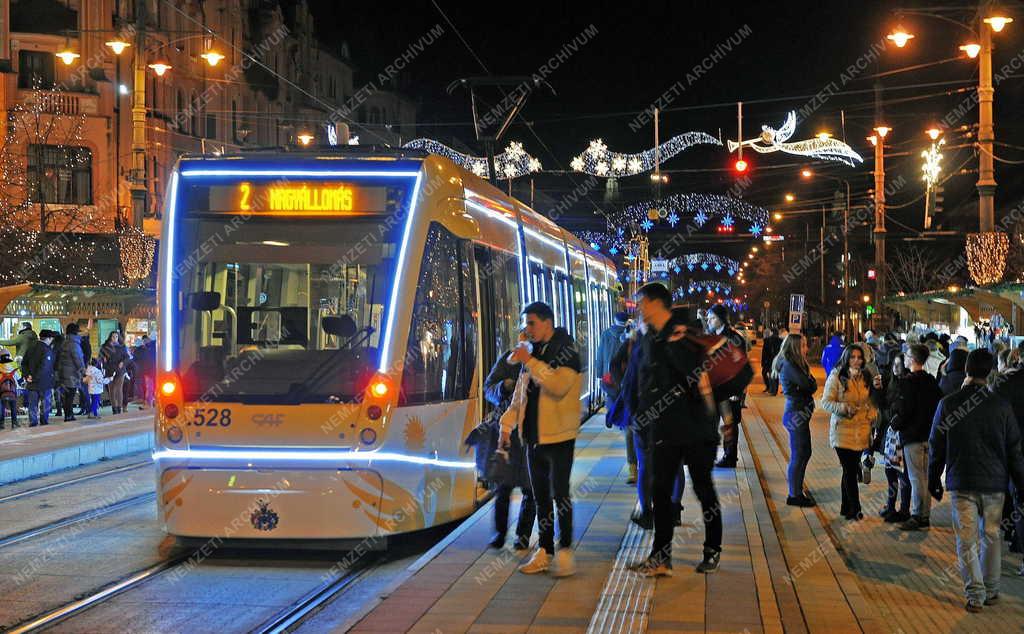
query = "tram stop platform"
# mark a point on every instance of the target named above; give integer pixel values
(28, 452)
(783, 569)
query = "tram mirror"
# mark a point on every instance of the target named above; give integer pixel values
(205, 300)
(342, 326)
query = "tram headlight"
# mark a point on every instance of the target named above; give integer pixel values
(174, 434)
(368, 436)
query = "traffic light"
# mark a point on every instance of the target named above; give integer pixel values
(869, 309)
(937, 197)
(741, 166)
(871, 274)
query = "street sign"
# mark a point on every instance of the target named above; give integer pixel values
(659, 265)
(796, 313)
(773, 237)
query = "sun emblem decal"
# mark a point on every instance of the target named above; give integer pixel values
(415, 434)
(264, 518)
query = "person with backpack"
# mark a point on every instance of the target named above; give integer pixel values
(798, 386)
(38, 370)
(612, 339)
(729, 394)
(70, 370)
(10, 376)
(94, 382)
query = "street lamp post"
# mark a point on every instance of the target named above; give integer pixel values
(986, 136)
(878, 139)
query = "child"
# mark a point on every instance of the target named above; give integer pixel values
(95, 380)
(9, 378)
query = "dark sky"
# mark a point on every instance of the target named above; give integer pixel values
(794, 49)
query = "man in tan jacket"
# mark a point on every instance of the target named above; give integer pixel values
(546, 408)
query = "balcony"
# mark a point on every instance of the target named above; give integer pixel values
(65, 103)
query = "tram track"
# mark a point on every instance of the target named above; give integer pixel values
(78, 518)
(65, 483)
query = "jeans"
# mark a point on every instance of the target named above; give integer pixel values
(94, 404)
(979, 557)
(1017, 513)
(731, 412)
(34, 409)
(9, 405)
(899, 486)
(915, 458)
(799, 456)
(550, 467)
(668, 459)
(850, 461)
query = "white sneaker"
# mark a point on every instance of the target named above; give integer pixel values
(565, 563)
(539, 563)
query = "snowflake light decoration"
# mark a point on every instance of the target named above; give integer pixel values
(672, 218)
(700, 218)
(728, 221)
(512, 163)
(596, 160)
(646, 225)
(699, 207)
(706, 261)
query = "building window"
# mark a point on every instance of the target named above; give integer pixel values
(59, 174)
(180, 114)
(211, 126)
(35, 69)
(234, 121)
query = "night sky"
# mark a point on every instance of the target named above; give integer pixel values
(793, 51)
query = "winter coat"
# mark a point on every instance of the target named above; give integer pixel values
(975, 438)
(611, 339)
(95, 380)
(71, 364)
(486, 436)
(769, 350)
(39, 364)
(674, 395)
(798, 387)
(934, 361)
(21, 341)
(952, 381)
(626, 402)
(1011, 387)
(558, 383)
(885, 355)
(830, 355)
(145, 358)
(919, 396)
(111, 356)
(10, 376)
(852, 409)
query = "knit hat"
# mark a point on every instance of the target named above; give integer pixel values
(720, 311)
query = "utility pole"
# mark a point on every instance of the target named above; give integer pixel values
(821, 255)
(138, 179)
(879, 215)
(986, 134)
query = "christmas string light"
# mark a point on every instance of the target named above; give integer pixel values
(932, 163)
(986, 256)
(597, 160)
(706, 262)
(700, 207)
(715, 286)
(512, 163)
(822, 147)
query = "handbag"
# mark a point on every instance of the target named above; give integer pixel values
(500, 468)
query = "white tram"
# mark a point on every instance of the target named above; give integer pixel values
(326, 321)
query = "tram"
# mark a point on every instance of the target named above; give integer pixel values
(326, 322)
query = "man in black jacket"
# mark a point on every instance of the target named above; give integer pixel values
(919, 397)
(730, 399)
(770, 348)
(975, 438)
(38, 369)
(674, 399)
(1010, 385)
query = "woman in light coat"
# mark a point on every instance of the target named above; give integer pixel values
(848, 397)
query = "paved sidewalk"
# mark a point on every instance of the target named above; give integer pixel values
(898, 581)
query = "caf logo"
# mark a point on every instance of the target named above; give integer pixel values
(264, 518)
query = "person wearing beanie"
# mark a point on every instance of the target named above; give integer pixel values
(70, 369)
(611, 340)
(38, 370)
(22, 340)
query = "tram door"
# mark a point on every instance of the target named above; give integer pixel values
(498, 281)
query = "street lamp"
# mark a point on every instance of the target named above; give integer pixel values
(117, 46)
(68, 56)
(997, 22)
(778, 215)
(900, 37)
(160, 68)
(790, 198)
(212, 57)
(972, 50)
(305, 138)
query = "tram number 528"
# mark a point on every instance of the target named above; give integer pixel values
(211, 417)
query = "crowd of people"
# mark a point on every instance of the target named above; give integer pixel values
(57, 372)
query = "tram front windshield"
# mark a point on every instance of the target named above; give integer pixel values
(262, 296)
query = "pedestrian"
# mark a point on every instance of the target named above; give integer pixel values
(848, 398)
(94, 382)
(676, 402)
(613, 338)
(39, 371)
(798, 386)
(145, 370)
(546, 409)
(919, 397)
(114, 358)
(1011, 387)
(954, 375)
(10, 376)
(83, 335)
(498, 388)
(730, 395)
(899, 486)
(70, 370)
(935, 356)
(889, 348)
(22, 341)
(769, 350)
(830, 355)
(976, 440)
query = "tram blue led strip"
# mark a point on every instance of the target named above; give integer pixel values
(280, 173)
(237, 456)
(169, 308)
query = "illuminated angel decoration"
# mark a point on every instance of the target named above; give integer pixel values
(822, 147)
(597, 160)
(512, 163)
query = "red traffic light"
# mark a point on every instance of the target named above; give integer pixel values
(871, 274)
(741, 165)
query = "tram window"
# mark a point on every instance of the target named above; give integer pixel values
(501, 274)
(467, 283)
(563, 312)
(435, 367)
(579, 293)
